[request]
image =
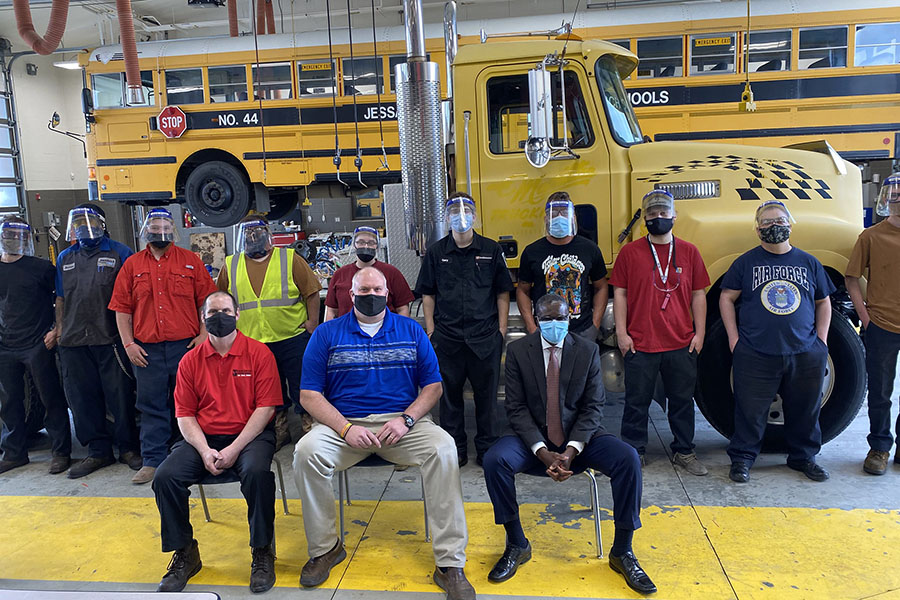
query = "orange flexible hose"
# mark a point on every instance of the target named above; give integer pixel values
(129, 47)
(55, 28)
(270, 17)
(232, 18)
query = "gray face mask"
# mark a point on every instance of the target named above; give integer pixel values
(775, 234)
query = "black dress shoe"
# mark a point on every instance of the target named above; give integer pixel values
(185, 564)
(509, 563)
(463, 459)
(89, 465)
(634, 575)
(810, 469)
(740, 472)
(262, 570)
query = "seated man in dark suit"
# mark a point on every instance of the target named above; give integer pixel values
(554, 400)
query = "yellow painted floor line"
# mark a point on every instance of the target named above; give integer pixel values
(768, 553)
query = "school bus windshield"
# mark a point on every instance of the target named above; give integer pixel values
(619, 113)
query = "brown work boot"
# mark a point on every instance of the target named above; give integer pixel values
(690, 463)
(145, 475)
(185, 564)
(132, 459)
(262, 570)
(6, 465)
(316, 570)
(453, 581)
(876, 462)
(282, 434)
(59, 464)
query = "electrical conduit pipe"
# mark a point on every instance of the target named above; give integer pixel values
(55, 28)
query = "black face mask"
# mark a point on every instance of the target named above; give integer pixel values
(220, 324)
(365, 255)
(775, 234)
(659, 225)
(257, 254)
(370, 304)
(160, 244)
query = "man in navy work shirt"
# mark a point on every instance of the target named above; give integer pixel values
(90, 352)
(369, 379)
(780, 346)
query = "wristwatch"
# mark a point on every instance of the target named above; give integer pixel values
(408, 420)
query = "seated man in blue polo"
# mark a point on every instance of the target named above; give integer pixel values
(369, 379)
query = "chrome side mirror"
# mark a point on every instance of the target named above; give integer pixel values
(540, 122)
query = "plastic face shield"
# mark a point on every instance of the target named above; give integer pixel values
(85, 224)
(254, 238)
(461, 214)
(159, 226)
(889, 198)
(766, 218)
(15, 238)
(559, 219)
(366, 240)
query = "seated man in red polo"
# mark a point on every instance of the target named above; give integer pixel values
(225, 397)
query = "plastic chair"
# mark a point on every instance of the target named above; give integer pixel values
(344, 490)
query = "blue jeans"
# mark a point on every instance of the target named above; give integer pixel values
(757, 378)
(155, 384)
(605, 453)
(882, 347)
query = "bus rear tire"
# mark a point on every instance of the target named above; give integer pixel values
(281, 204)
(217, 193)
(846, 390)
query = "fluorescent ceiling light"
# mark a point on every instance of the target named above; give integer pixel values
(72, 65)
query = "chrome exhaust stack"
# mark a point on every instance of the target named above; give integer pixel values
(421, 144)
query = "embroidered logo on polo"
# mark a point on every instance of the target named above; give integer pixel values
(780, 297)
(68, 267)
(767, 179)
(241, 373)
(106, 262)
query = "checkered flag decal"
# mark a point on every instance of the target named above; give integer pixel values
(766, 179)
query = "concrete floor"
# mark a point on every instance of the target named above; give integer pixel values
(729, 541)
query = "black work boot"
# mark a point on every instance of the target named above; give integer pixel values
(185, 564)
(262, 570)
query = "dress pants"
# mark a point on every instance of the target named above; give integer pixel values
(96, 383)
(678, 369)
(459, 362)
(757, 378)
(41, 364)
(155, 384)
(882, 347)
(184, 468)
(605, 453)
(322, 452)
(289, 359)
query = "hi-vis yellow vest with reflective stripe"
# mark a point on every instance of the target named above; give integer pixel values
(278, 313)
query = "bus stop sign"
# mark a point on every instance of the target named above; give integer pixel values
(172, 122)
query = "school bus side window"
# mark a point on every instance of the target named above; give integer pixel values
(770, 51)
(877, 44)
(184, 86)
(315, 78)
(362, 75)
(228, 84)
(712, 53)
(272, 81)
(823, 47)
(109, 90)
(508, 116)
(660, 57)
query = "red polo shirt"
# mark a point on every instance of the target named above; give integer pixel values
(338, 295)
(223, 391)
(163, 296)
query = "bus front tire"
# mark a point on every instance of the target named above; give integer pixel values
(847, 359)
(217, 193)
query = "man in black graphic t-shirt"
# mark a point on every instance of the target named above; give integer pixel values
(567, 265)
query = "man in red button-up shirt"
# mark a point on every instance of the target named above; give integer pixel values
(157, 295)
(225, 398)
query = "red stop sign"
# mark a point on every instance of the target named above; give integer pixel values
(172, 122)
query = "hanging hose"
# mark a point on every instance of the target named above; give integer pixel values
(134, 92)
(270, 17)
(357, 162)
(55, 28)
(384, 163)
(258, 92)
(260, 17)
(337, 145)
(232, 19)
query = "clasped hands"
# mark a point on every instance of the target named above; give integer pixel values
(558, 464)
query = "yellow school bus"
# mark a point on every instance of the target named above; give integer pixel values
(263, 125)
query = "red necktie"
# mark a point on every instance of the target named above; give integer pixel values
(554, 422)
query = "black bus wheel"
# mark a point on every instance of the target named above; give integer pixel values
(217, 193)
(281, 204)
(843, 388)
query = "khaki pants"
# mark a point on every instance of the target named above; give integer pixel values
(321, 452)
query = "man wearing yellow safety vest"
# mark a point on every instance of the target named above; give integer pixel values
(277, 309)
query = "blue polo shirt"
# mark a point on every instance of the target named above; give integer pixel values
(362, 375)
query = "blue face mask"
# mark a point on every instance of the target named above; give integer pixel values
(460, 223)
(90, 243)
(554, 331)
(559, 227)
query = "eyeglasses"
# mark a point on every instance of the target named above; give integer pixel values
(362, 244)
(550, 319)
(763, 223)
